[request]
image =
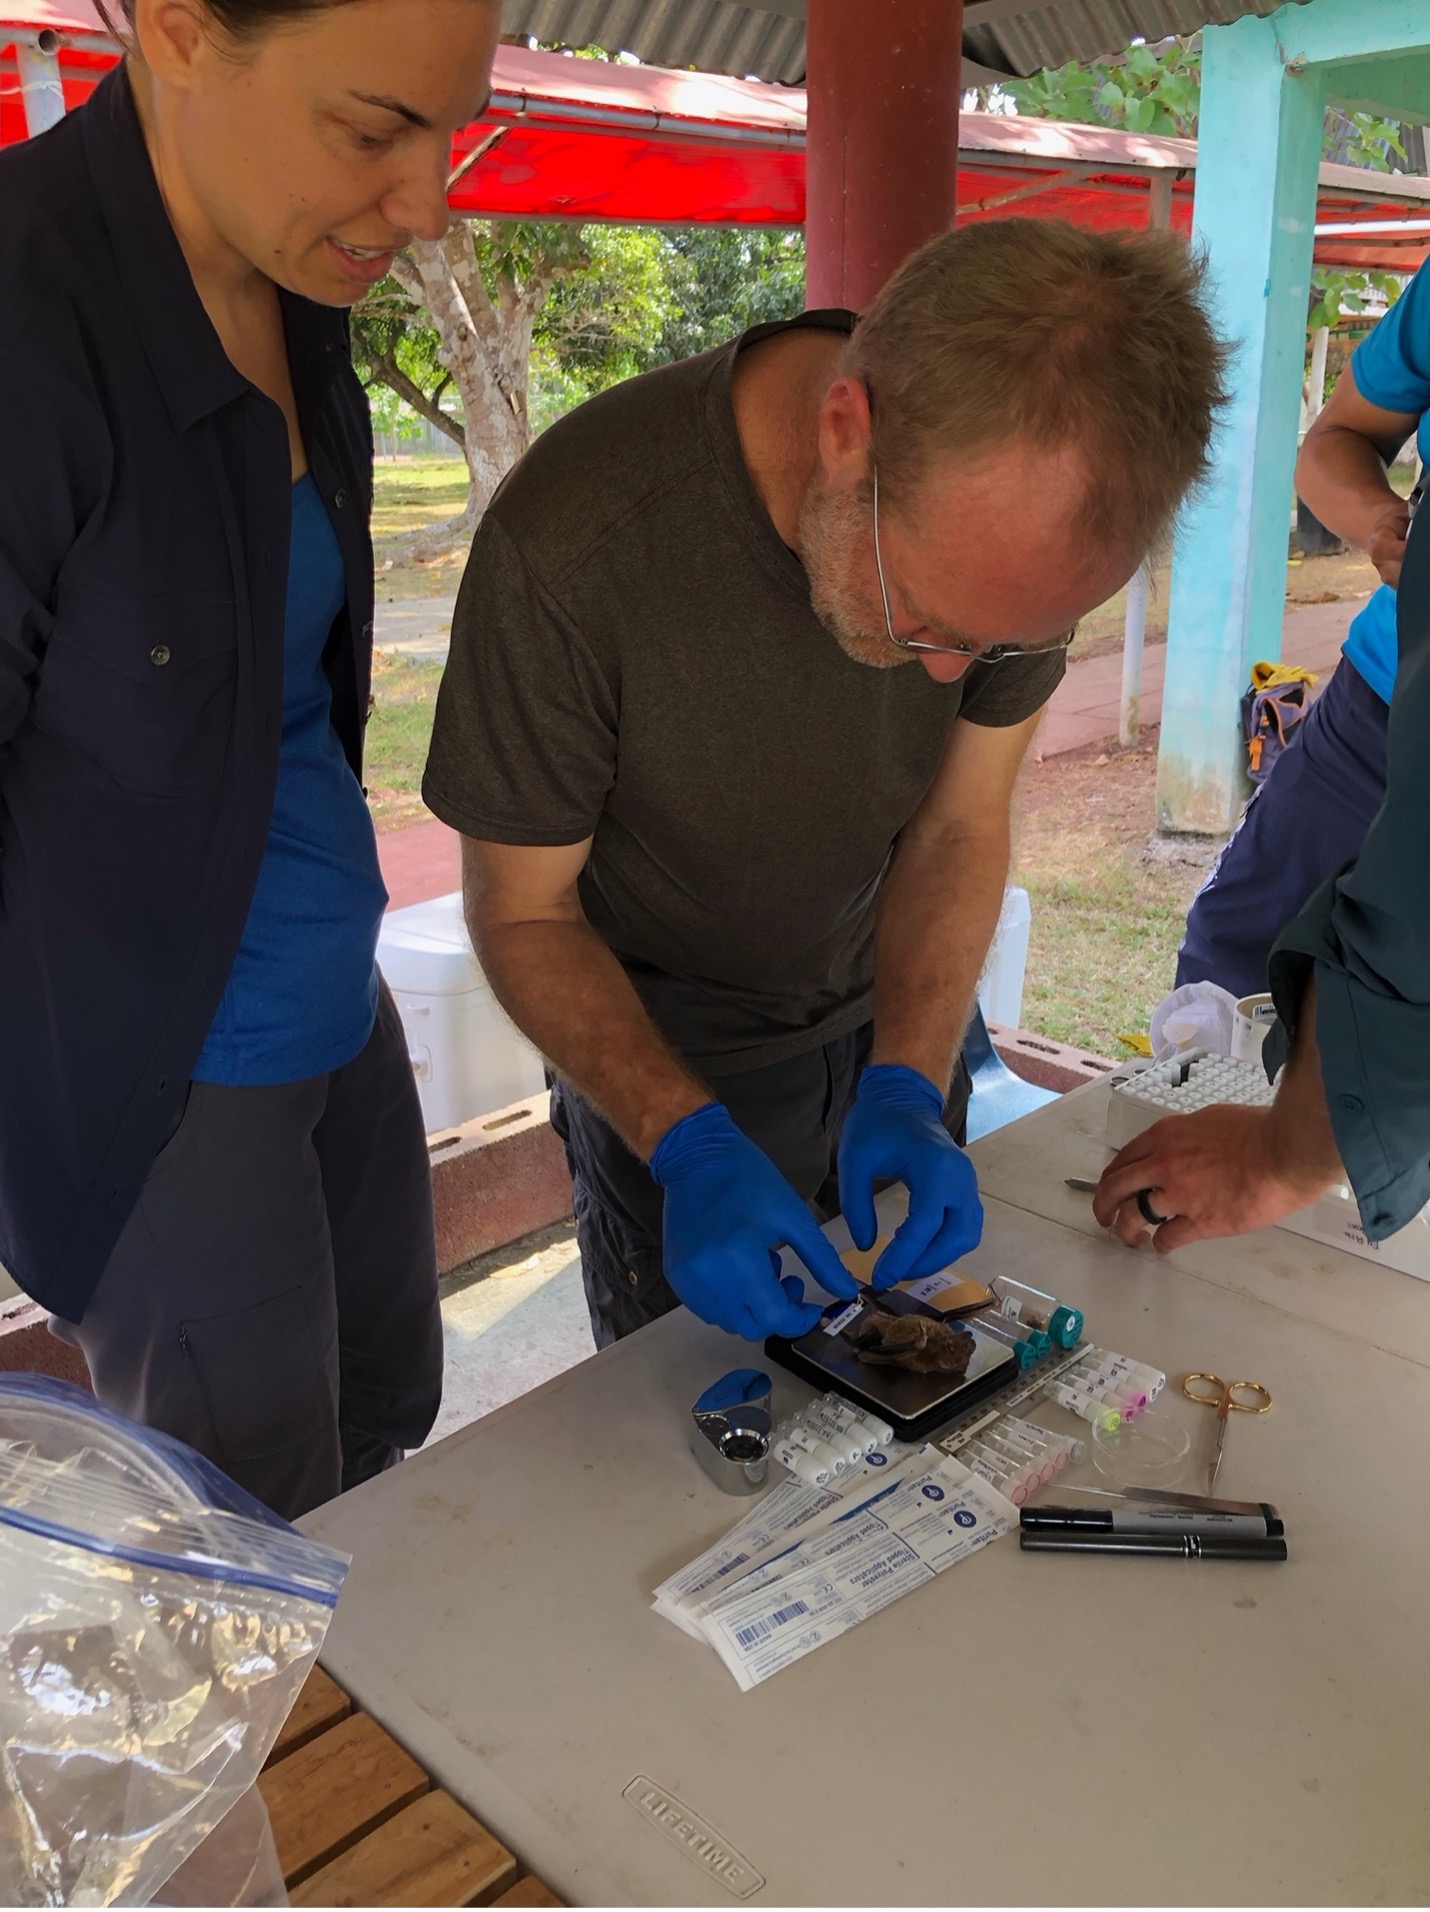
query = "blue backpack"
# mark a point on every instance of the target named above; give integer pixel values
(1271, 708)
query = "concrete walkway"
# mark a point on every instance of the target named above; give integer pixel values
(417, 628)
(520, 1323)
(419, 861)
(1086, 707)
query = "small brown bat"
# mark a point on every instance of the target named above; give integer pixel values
(915, 1342)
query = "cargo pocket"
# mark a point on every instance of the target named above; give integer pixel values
(261, 1375)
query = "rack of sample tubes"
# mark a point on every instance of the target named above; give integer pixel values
(1105, 1388)
(828, 1438)
(1179, 1086)
(1018, 1456)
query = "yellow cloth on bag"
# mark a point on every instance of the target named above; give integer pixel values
(1266, 676)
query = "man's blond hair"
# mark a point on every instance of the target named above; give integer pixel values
(1033, 330)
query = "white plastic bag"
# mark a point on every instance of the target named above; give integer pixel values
(1196, 1016)
(156, 1625)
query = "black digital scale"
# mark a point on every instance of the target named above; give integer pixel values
(914, 1405)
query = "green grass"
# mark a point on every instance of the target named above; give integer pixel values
(1102, 953)
(398, 733)
(412, 493)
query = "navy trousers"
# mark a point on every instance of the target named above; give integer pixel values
(1304, 824)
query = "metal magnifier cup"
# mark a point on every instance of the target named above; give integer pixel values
(730, 1430)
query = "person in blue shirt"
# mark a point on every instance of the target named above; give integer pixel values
(213, 1170)
(1310, 816)
(1349, 959)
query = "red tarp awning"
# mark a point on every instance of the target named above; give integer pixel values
(590, 139)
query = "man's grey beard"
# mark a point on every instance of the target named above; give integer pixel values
(829, 528)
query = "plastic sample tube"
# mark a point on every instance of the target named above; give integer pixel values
(1109, 1380)
(1038, 1469)
(846, 1441)
(842, 1441)
(801, 1464)
(1035, 1309)
(1067, 1444)
(1051, 1453)
(839, 1414)
(992, 1469)
(1098, 1362)
(880, 1429)
(806, 1441)
(1045, 1453)
(1084, 1406)
(1024, 1468)
(1024, 1342)
(1029, 1305)
(1092, 1386)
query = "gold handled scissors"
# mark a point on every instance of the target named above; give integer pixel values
(1241, 1397)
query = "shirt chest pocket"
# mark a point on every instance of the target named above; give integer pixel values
(143, 684)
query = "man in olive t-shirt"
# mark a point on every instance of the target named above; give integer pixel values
(733, 766)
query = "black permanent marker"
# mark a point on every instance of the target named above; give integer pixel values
(1261, 1520)
(1174, 1546)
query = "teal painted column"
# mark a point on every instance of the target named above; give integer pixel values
(1258, 150)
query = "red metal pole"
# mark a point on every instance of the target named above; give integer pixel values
(883, 90)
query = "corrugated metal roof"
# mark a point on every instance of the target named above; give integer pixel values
(767, 43)
(1089, 29)
(717, 36)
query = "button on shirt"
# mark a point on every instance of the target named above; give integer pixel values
(1391, 368)
(302, 995)
(1365, 939)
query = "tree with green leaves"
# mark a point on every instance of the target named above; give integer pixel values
(1157, 89)
(460, 312)
(523, 320)
(1151, 90)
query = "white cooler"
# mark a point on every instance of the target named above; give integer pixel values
(467, 1057)
(1000, 988)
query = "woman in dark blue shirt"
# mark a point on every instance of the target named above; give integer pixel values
(212, 1165)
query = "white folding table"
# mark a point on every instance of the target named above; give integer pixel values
(1023, 1730)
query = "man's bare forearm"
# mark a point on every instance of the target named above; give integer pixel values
(569, 996)
(1341, 475)
(1303, 1141)
(937, 913)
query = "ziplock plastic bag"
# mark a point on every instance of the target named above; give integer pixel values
(156, 1624)
(237, 1864)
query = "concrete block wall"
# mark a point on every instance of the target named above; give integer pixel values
(496, 1179)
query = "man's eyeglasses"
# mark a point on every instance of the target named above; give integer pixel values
(989, 654)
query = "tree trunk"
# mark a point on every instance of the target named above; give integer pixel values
(386, 368)
(490, 375)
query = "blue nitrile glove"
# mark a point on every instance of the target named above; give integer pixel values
(895, 1133)
(727, 1211)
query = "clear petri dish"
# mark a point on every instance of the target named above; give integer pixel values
(1148, 1451)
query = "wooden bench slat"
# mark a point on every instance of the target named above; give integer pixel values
(529, 1891)
(321, 1704)
(431, 1853)
(322, 1798)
